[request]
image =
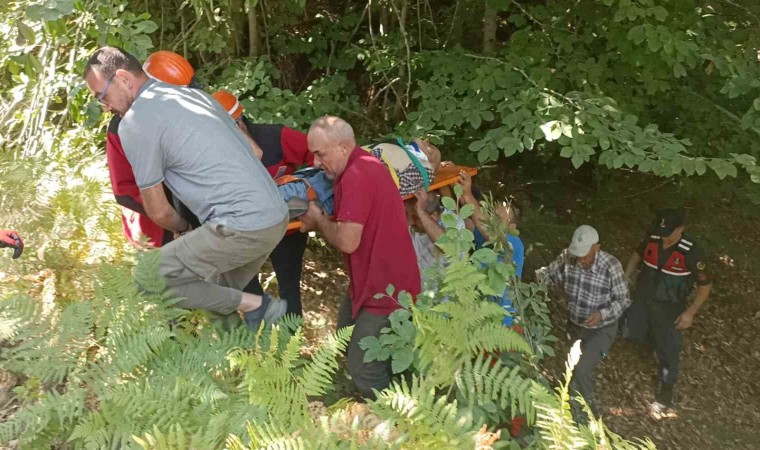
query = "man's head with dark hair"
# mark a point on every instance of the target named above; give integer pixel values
(107, 60)
(510, 212)
(515, 211)
(114, 77)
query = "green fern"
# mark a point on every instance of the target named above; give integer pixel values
(487, 381)
(317, 376)
(425, 419)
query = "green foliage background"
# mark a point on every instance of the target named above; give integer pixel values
(669, 87)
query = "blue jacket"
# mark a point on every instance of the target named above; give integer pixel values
(518, 259)
(322, 185)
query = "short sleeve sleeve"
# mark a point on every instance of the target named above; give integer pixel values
(356, 198)
(143, 150)
(695, 261)
(295, 147)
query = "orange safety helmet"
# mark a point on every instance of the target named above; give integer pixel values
(169, 67)
(230, 103)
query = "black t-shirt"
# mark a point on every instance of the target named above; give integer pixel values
(669, 274)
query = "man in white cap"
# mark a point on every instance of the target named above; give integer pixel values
(597, 295)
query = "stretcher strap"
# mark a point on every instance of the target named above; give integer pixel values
(417, 163)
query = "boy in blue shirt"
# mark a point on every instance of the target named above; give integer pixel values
(510, 214)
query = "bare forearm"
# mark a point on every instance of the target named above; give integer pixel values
(168, 219)
(703, 292)
(633, 264)
(333, 232)
(431, 227)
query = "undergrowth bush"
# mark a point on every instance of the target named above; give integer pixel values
(123, 368)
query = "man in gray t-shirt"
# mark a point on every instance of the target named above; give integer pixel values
(183, 138)
(201, 156)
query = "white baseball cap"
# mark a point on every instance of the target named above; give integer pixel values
(584, 238)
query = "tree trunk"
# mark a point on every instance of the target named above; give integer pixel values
(254, 35)
(489, 28)
(236, 17)
(383, 19)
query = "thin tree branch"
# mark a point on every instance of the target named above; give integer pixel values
(402, 27)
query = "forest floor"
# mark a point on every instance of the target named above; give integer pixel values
(717, 394)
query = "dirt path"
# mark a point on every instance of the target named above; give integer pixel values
(718, 393)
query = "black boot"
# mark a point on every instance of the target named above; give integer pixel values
(665, 394)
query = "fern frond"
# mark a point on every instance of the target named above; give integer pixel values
(128, 352)
(495, 337)
(488, 380)
(17, 314)
(176, 439)
(270, 435)
(54, 409)
(317, 375)
(54, 347)
(427, 419)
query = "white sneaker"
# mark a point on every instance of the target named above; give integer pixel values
(659, 411)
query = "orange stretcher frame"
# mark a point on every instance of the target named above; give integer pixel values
(446, 176)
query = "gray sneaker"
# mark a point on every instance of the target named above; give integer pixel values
(276, 309)
(270, 311)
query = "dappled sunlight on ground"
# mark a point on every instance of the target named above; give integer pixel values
(716, 398)
(717, 406)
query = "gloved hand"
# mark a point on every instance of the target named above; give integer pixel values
(10, 238)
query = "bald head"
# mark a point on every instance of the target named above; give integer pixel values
(331, 140)
(334, 128)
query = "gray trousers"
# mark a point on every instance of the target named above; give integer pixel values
(209, 267)
(595, 345)
(366, 375)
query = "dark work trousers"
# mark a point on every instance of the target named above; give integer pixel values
(595, 345)
(287, 261)
(370, 375)
(648, 318)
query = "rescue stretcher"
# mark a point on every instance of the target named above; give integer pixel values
(447, 175)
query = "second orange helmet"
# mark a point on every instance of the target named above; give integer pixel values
(229, 102)
(169, 67)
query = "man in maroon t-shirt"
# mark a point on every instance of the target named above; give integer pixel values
(370, 229)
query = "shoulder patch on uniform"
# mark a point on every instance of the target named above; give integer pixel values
(701, 265)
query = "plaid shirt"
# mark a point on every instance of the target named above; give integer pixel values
(600, 288)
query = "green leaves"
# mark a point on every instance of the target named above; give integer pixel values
(395, 343)
(722, 168)
(679, 70)
(659, 13)
(50, 10)
(449, 203)
(554, 129)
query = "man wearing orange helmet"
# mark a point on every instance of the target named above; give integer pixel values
(183, 138)
(283, 150)
(170, 68)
